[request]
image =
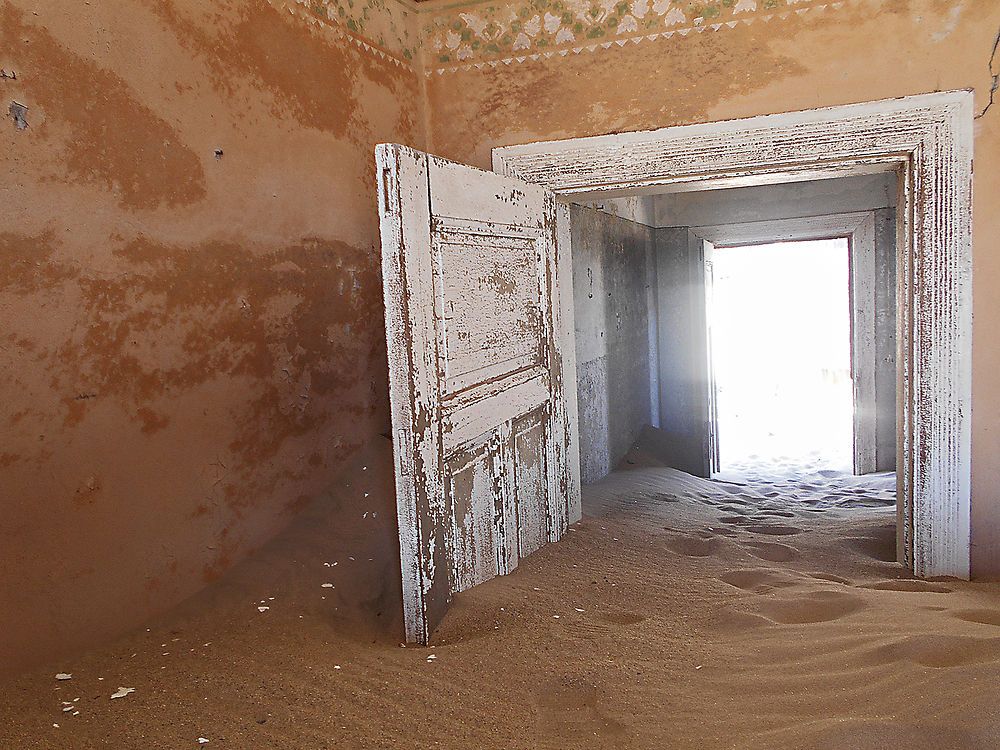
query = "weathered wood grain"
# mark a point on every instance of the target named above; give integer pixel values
(475, 333)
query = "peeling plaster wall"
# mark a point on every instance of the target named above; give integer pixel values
(191, 325)
(611, 282)
(772, 58)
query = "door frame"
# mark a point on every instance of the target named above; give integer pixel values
(929, 138)
(858, 228)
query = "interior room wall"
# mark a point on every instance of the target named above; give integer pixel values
(190, 303)
(637, 66)
(875, 193)
(191, 330)
(611, 279)
(885, 339)
(793, 200)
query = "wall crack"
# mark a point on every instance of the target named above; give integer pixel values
(994, 74)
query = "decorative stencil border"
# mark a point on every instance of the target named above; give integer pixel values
(493, 34)
(445, 37)
(387, 28)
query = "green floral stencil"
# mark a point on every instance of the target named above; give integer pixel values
(475, 33)
(389, 25)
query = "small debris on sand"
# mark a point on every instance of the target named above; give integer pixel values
(121, 692)
(64, 676)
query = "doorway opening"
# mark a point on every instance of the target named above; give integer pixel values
(780, 336)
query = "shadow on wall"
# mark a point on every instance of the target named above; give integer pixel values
(610, 282)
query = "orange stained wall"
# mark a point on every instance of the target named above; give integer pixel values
(191, 325)
(776, 56)
(191, 330)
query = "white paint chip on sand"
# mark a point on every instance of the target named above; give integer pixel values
(262, 609)
(64, 676)
(202, 740)
(121, 692)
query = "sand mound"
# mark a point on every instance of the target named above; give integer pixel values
(680, 613)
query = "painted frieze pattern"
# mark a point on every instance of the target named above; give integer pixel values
(388, 28)
(475, 35)
(486, 33)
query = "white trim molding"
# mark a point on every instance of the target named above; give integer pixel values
(928, 138)
(858, 228)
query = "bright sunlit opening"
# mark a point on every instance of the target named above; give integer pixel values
(781, 348)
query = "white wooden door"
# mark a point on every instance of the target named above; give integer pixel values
(481, 374)
(686, 383)
(712, 412)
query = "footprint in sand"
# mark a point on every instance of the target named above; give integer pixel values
(864, 502)
(879, 545)
(814, 606)
(912, 586)
(773, 551)
(663, 498)
(832, 578)
(982, 616)
(728, 620)
(570, 715)
(774, 529)
(757, 579)
(733, 519)
(725, 531)
(693, 546)
(621, 617)
(938, 651)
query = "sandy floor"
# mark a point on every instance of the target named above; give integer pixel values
(680, 613)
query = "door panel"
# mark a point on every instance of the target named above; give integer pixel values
(531, 483)
(470, 483)
(476, 333)
(685, 383)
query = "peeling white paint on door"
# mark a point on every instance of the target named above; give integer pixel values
(480, 354)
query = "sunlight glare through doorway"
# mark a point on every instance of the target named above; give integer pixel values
(781, 349)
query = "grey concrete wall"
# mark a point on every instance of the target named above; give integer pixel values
(768, 202)
(638, 208)
(681, 348)
(611, 288)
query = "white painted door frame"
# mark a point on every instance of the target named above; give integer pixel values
(929, 139)
(859, 230)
